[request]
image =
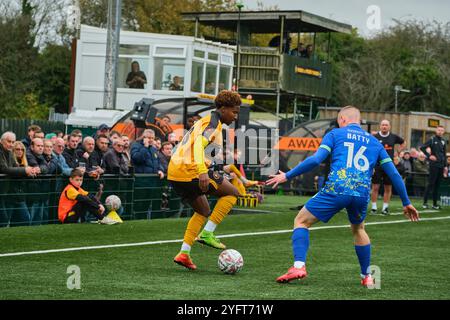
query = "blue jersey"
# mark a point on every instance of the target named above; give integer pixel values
(354, 153)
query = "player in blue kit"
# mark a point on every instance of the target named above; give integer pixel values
(354, 153)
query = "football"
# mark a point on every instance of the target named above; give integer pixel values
(113, 202)
(230, 261)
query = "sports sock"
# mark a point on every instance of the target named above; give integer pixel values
(374, 206)
(210, 226)
(385, 205)
(222, 208)
(235, 170)
(300, 245)
(185, 248)
(193, 228)
(363, 253)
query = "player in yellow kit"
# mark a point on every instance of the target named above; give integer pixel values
(191, 179)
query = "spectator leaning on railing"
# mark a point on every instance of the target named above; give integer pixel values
(62, 166)
(164, 155)
(115, 161)
(36, 202)
(126, 148)
(49, 158)
(101, 147)
(85, 153)
(70, 153)
(9, 167)
(19, 212)
(144, 156)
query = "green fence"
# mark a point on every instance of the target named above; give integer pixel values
(20, 127)
(144, 196)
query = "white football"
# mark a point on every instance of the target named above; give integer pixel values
(230, 261)
(113, 202)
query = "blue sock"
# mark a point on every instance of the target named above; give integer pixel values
(363, 253)
(300, 243)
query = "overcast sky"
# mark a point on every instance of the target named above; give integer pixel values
(354, 12)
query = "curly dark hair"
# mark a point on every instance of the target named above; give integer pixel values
(227, 99)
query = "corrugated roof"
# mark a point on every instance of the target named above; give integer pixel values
(268, 21)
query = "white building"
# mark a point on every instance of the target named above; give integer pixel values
(202, 67)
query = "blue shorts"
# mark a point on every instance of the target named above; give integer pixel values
(325, 205)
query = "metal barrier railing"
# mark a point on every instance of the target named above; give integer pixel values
(25, 201)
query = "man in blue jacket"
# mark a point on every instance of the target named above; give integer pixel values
(144, 157)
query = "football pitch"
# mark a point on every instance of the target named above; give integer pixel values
(413, 258)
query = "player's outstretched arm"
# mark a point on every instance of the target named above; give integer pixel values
(277, 179)
(411, 213)
(305, 166)
(408, 209)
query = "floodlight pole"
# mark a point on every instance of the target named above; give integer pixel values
(112, 53)
(398, 89)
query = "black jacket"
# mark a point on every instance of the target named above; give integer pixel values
(437, 146)
(71, 157)
(91, 162)
(36, 160)
(96, 158)
(52, 163)
(8, 165)
(115, 162)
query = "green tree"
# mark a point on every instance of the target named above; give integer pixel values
(54, 77)
(17, 60)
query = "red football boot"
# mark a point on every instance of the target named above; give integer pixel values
(183, 259)
(367, 281)
(292, 274)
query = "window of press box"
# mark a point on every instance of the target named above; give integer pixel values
(224, 78)
(199, 54)
(213, 56)
(132, 73)
(210, 79)
(197, 76)
(133, 50)
(168, 51)
(169, 74)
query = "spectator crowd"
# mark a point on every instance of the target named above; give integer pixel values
(110, 152)
(38, 154)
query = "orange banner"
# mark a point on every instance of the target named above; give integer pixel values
(298, 144)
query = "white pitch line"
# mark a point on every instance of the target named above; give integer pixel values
(148, 243)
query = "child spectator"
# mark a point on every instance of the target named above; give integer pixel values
(74, 202)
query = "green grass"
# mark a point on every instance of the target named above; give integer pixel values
(413, 258)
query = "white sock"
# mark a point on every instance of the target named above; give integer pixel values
(385, 205)
(185, 247)
(210, 226)
(374, 205)
(299, 264)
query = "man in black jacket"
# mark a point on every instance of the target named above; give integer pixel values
(9, 167)
(70, 153)
(101, 147)
(38, 199)
(437, 145)
(86, 154)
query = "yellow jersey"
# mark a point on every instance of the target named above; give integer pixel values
(188, 160)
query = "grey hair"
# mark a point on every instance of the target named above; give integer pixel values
(8, 134)
(88, 138)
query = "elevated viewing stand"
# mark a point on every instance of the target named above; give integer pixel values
(275, 70)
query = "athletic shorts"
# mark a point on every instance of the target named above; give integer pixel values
(380, 177)
(325, 205)
(190, 190)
